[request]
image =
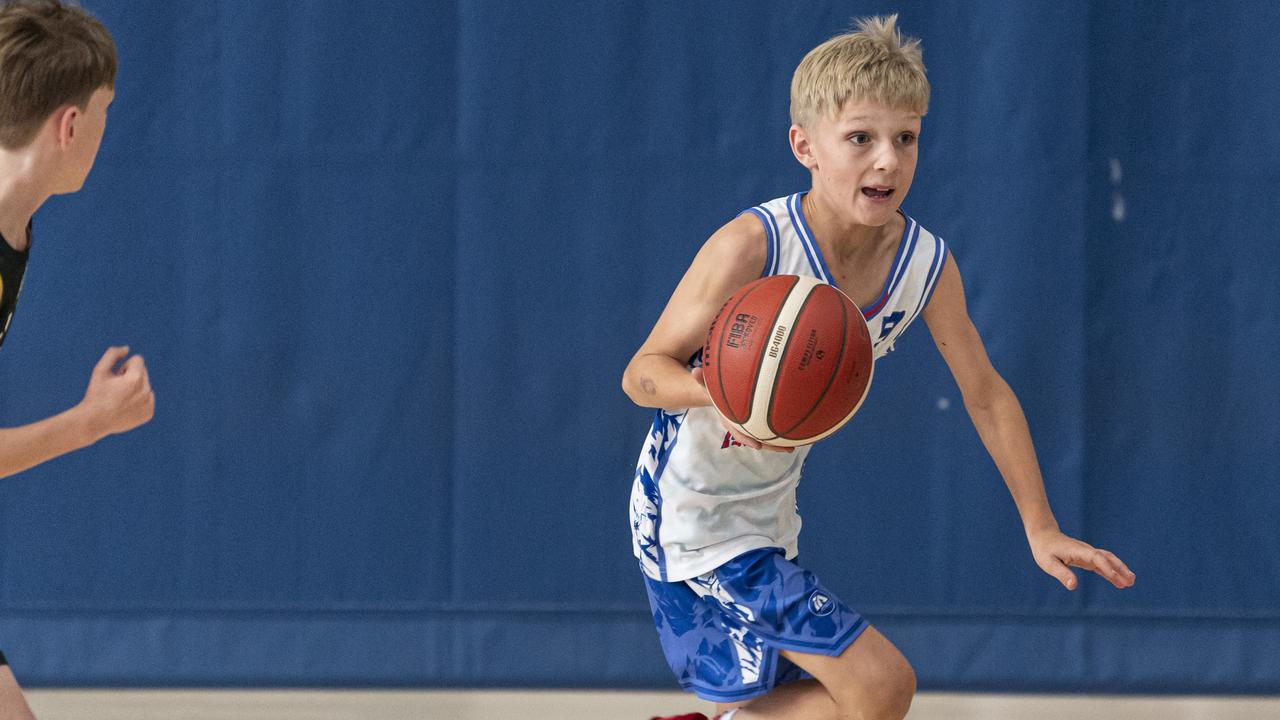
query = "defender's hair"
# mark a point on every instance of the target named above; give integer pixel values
(873, 63)
(51, 55)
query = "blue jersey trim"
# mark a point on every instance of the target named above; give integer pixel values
(929, 293)
(664, 454)
(906, 250)
(910, 234)
(811, 249)
(804, 244)
(831, 648)
(777, 242)
(935, 271)
(771, 239)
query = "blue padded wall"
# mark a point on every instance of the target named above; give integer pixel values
(387, 261)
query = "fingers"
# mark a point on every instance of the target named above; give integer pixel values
(755, 444)
(150, 405)
(113, 355)
(138, 365)
(1103, 563)
(1114, 570)
(134, 365)
(1124, 570)
(136, 368)
(1056, 553)
(743, 438)
(1056, 568)
(119, 396)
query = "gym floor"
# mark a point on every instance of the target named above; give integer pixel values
(586, 705)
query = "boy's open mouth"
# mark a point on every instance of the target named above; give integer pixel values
(877, 192)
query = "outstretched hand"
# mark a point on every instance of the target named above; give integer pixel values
(742, 438)
(1054, 552)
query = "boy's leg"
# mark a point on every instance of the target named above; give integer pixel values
(870, 680)
(799, 699)
(12, 705)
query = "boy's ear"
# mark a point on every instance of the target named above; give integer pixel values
(801, 147)
(64, 123)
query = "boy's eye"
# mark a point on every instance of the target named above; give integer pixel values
(906, 138)
(859, 138)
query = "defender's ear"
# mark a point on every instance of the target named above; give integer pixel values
(64, 123)
(801, 147)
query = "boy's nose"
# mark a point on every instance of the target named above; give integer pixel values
(886, 160)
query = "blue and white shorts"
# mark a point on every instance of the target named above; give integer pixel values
(722, 631)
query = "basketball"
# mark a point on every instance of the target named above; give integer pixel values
(788, 360)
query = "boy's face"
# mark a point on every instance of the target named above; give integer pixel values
(863, 158)
(87, 130)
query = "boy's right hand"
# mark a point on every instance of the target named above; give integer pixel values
(746, 440)
(118, 399)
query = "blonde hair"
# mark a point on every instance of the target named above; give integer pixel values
(51, 55)
(873, 63)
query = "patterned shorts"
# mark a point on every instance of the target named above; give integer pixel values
(722, 632)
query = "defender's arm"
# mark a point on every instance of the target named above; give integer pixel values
(24, 447)
(117, 400)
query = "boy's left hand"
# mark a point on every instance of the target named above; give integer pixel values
(1054, 551)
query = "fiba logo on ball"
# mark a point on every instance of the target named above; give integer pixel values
(820, 604)
(740, 331)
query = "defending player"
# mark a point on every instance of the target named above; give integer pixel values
(57, 77)
(715, 524)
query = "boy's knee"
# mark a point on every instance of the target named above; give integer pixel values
(901, 690)
(884, 694)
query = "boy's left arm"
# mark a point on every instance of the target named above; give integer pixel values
(998, 417)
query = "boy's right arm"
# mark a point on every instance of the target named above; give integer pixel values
(658, 375)
(116, 401)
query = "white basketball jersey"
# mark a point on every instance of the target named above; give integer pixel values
(698, 499)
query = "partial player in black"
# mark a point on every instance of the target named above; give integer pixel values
(13, 265)
(57, 78)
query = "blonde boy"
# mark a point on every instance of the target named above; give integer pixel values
(57, 77)
(713, 515)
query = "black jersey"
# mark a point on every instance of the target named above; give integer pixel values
(13, 265)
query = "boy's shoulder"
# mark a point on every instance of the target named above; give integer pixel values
(732, 256)
(743, 235)
(757, 223)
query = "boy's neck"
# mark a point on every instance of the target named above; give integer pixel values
(843, 237)
(21, 194)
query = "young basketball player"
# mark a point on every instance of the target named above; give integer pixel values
(57, 74)
(714, 521)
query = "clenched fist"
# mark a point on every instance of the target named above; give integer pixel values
(119, 397)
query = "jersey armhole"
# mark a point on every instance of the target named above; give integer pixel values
(771, 239)
(933, 283)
